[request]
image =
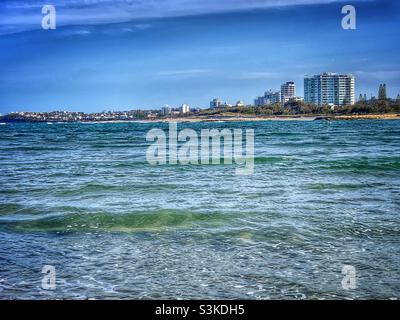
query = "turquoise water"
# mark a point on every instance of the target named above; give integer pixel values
(83, 198)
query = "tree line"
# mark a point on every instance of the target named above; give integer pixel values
(302, 108)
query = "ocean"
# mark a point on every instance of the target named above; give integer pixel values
(82, 198)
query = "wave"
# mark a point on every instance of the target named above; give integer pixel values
(343, 186)
(150, 221)
(97, 188)
(362, 230)
(10, 208)
(378, 164)
(34, 148)
(273, 159)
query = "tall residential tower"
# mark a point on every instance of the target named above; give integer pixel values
(330, 89)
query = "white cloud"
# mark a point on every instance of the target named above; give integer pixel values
(183, 73)
(77, 32)
(143, 26)
(260, 75)
(19, 15)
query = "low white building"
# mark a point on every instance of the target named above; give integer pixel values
(269, 97)
(216, 103)
(240, 103)
(166, 111)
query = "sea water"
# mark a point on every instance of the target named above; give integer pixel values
(83, 198)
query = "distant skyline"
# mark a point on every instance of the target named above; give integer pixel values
(137, 54)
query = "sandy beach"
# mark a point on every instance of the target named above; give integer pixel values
(281, 118)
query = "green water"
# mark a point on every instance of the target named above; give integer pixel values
(83, 198)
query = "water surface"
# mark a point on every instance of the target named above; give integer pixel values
(83, 198)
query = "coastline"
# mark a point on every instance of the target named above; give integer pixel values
(281, 118)
(194, 119)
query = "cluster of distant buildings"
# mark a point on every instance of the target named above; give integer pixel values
(329, 89)
(183, 109)
(323, 89)
(217, 103)
(70, 116)
(287, 93)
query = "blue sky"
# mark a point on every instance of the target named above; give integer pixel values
(128, 54)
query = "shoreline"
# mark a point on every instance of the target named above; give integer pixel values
(235, 119)
(278, 118)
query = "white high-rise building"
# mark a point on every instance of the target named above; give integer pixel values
(330, 89)
(185, 108)
(288, 91)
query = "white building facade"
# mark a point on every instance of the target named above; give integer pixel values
(330, 89)
(288, 91)
(185, 109)
(269, 97)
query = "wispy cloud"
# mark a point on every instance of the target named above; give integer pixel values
(183, 73)
(79, 32)
(20, 15)
(378, 75)
(143, 26)
(259, 75)
(137, 27)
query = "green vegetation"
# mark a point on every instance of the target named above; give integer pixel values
(291, 109)
(302, 108)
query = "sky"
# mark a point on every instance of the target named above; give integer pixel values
(131, 54)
